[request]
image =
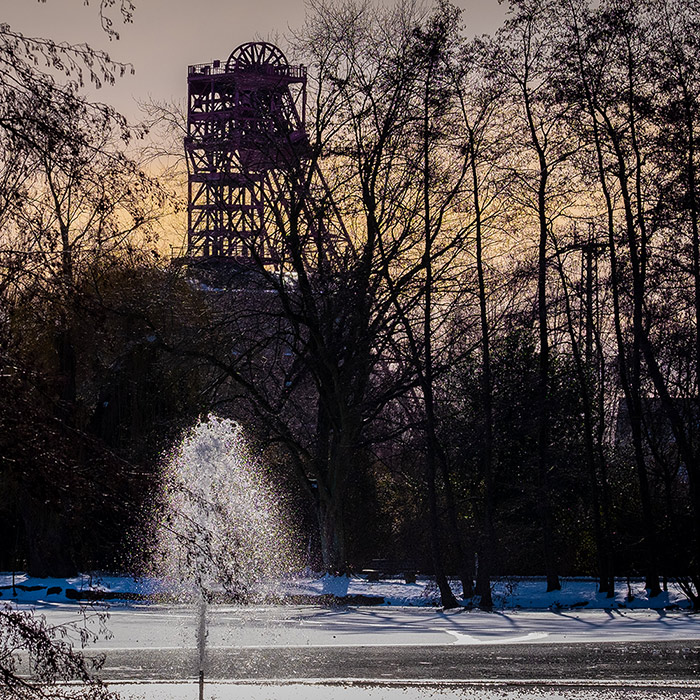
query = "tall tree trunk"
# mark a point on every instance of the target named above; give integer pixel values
(330, 495)
(543, 408)
(694, 467)
(465, 571)
(448, 598)
(543, 502)
(638, 261)
(330, 522)
(487, 537)
(446, 595)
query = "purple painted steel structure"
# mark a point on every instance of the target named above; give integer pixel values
(245, 129)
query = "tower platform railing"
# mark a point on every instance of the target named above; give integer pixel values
(219, 68)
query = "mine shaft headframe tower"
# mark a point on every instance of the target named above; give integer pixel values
(245, 129)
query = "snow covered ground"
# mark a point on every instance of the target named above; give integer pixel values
(510, 593)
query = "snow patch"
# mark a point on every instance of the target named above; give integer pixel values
(508, 593)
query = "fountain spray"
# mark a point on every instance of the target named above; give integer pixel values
(223, 532)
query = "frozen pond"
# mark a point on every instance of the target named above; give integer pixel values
(174, 627)
(323, 691)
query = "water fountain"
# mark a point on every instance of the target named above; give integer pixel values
(222, 532)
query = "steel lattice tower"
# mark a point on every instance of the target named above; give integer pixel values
(245, 130)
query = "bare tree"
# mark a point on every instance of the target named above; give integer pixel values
(522, 53)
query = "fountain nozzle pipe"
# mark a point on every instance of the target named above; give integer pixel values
(201, 642)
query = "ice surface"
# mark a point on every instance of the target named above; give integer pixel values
(368, 691)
